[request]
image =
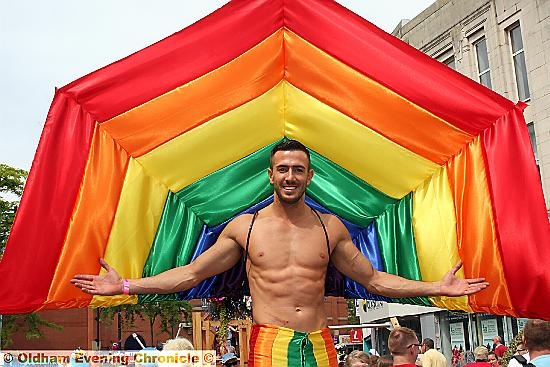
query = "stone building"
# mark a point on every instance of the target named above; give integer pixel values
(502, 44)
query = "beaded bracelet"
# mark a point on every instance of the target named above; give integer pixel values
(126, 286)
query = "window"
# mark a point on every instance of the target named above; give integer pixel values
(531, 128)
(519, 62)
(484, 72)
(450, 62)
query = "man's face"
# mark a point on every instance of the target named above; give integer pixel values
(290, 175)
(415, 349)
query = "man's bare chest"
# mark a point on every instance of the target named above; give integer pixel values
(278, 244)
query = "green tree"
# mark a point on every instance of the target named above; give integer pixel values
(353, 319)
(12, 181)
(512, 348)
(169, 313)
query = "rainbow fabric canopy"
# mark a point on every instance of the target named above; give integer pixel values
(144, 161)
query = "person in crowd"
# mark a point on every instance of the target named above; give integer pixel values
(178, 344)
(536, 338)
(431, 357)
(498, 347)
(230, 360)
(492, 359)
(404, 347)
(357, 358)
(520, 357)
(385, 360)
(481, 355)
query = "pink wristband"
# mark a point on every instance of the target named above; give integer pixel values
(125, 286)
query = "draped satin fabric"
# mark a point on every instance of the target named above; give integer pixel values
(145, 161)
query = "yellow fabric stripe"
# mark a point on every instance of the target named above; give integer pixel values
(233, 135)
(136, 221)
(279, 355)
(319, 347)
(365, 153)
(218, 142)
(434, 223)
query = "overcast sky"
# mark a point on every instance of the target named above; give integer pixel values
(48, 44)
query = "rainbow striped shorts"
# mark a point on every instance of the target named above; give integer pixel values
(275, 346)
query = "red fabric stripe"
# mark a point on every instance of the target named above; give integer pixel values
(42, 220)
(174, 61)
(518, 202)
(254, 333)
(386, 59)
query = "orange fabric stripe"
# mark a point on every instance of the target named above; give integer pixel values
(264, 345)
(330, 352)
(375, 106)
(91, 220)
(239, 81)
(476, 233)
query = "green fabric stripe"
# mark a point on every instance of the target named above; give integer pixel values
(294, 355)
(397, 246)
(174, 243)
(226, 192)
(345, 194)
(309, 355)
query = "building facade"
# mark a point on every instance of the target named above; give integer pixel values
(448, 329)
(502, 44)
(82, 328)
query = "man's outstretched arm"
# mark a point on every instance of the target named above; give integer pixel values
(220, 257)
(352, 263)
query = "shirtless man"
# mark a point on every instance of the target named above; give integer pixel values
(287, 261)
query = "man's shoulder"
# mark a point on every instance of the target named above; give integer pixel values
(541, 361)
(500, 350)
(238, 227)
(433, 352)
(331, 220)
(241, 220)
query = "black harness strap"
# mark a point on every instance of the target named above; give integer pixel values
(324, 230)
(248, 237)
(245, 280)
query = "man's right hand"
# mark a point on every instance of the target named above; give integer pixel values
(109, 284)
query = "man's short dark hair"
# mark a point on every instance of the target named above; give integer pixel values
(537, 335)
(428, 343)
(288, 145)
